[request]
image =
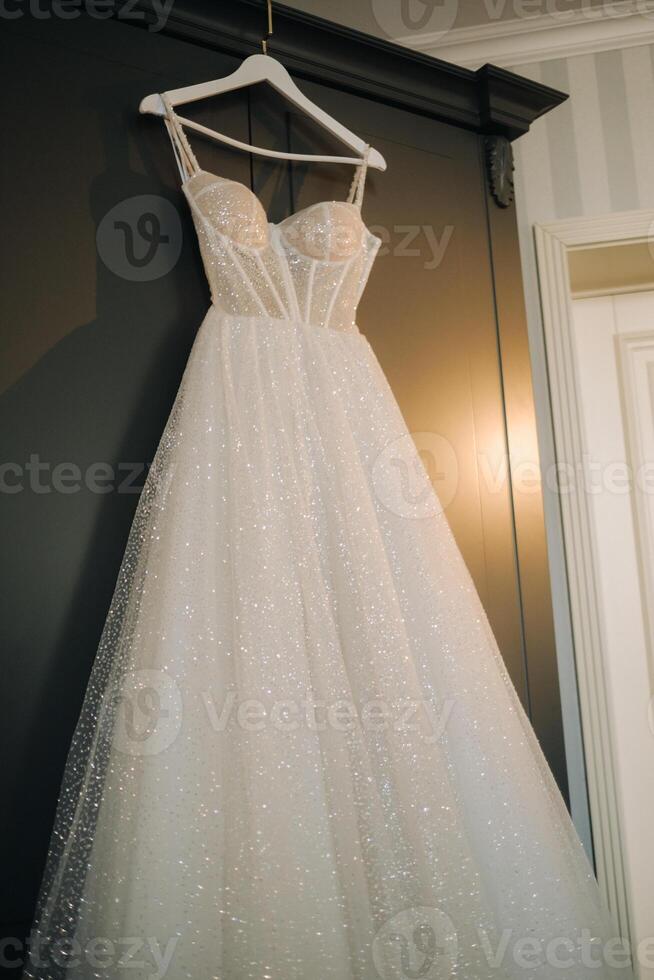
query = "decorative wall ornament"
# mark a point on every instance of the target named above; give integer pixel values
(500, 167)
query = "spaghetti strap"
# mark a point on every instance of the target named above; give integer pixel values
(187, 163)
(359, 180)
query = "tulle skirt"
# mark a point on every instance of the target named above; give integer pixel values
(300, 756)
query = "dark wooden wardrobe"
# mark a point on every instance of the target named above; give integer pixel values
(97, 327)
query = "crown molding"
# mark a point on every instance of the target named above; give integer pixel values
(491, 101)
(523, 40)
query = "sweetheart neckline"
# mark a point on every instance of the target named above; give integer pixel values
(278, 224)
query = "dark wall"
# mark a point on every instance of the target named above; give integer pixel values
(98, 322)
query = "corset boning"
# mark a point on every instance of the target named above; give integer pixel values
(313, 266)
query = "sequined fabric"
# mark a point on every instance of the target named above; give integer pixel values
(300, 756)
(312, 267)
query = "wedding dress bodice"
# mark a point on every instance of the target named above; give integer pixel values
(312, 267)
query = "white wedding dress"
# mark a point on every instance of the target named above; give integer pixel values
(300, 756)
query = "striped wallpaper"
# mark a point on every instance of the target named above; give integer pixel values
(595, 153)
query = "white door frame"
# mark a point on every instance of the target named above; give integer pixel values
(553, 241)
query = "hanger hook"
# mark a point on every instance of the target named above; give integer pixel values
(264, 39)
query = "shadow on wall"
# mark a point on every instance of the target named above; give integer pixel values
(78, 431)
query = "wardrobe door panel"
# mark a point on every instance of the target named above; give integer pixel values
(431, 313)
(103, 295)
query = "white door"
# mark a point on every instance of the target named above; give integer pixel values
(614, 347)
